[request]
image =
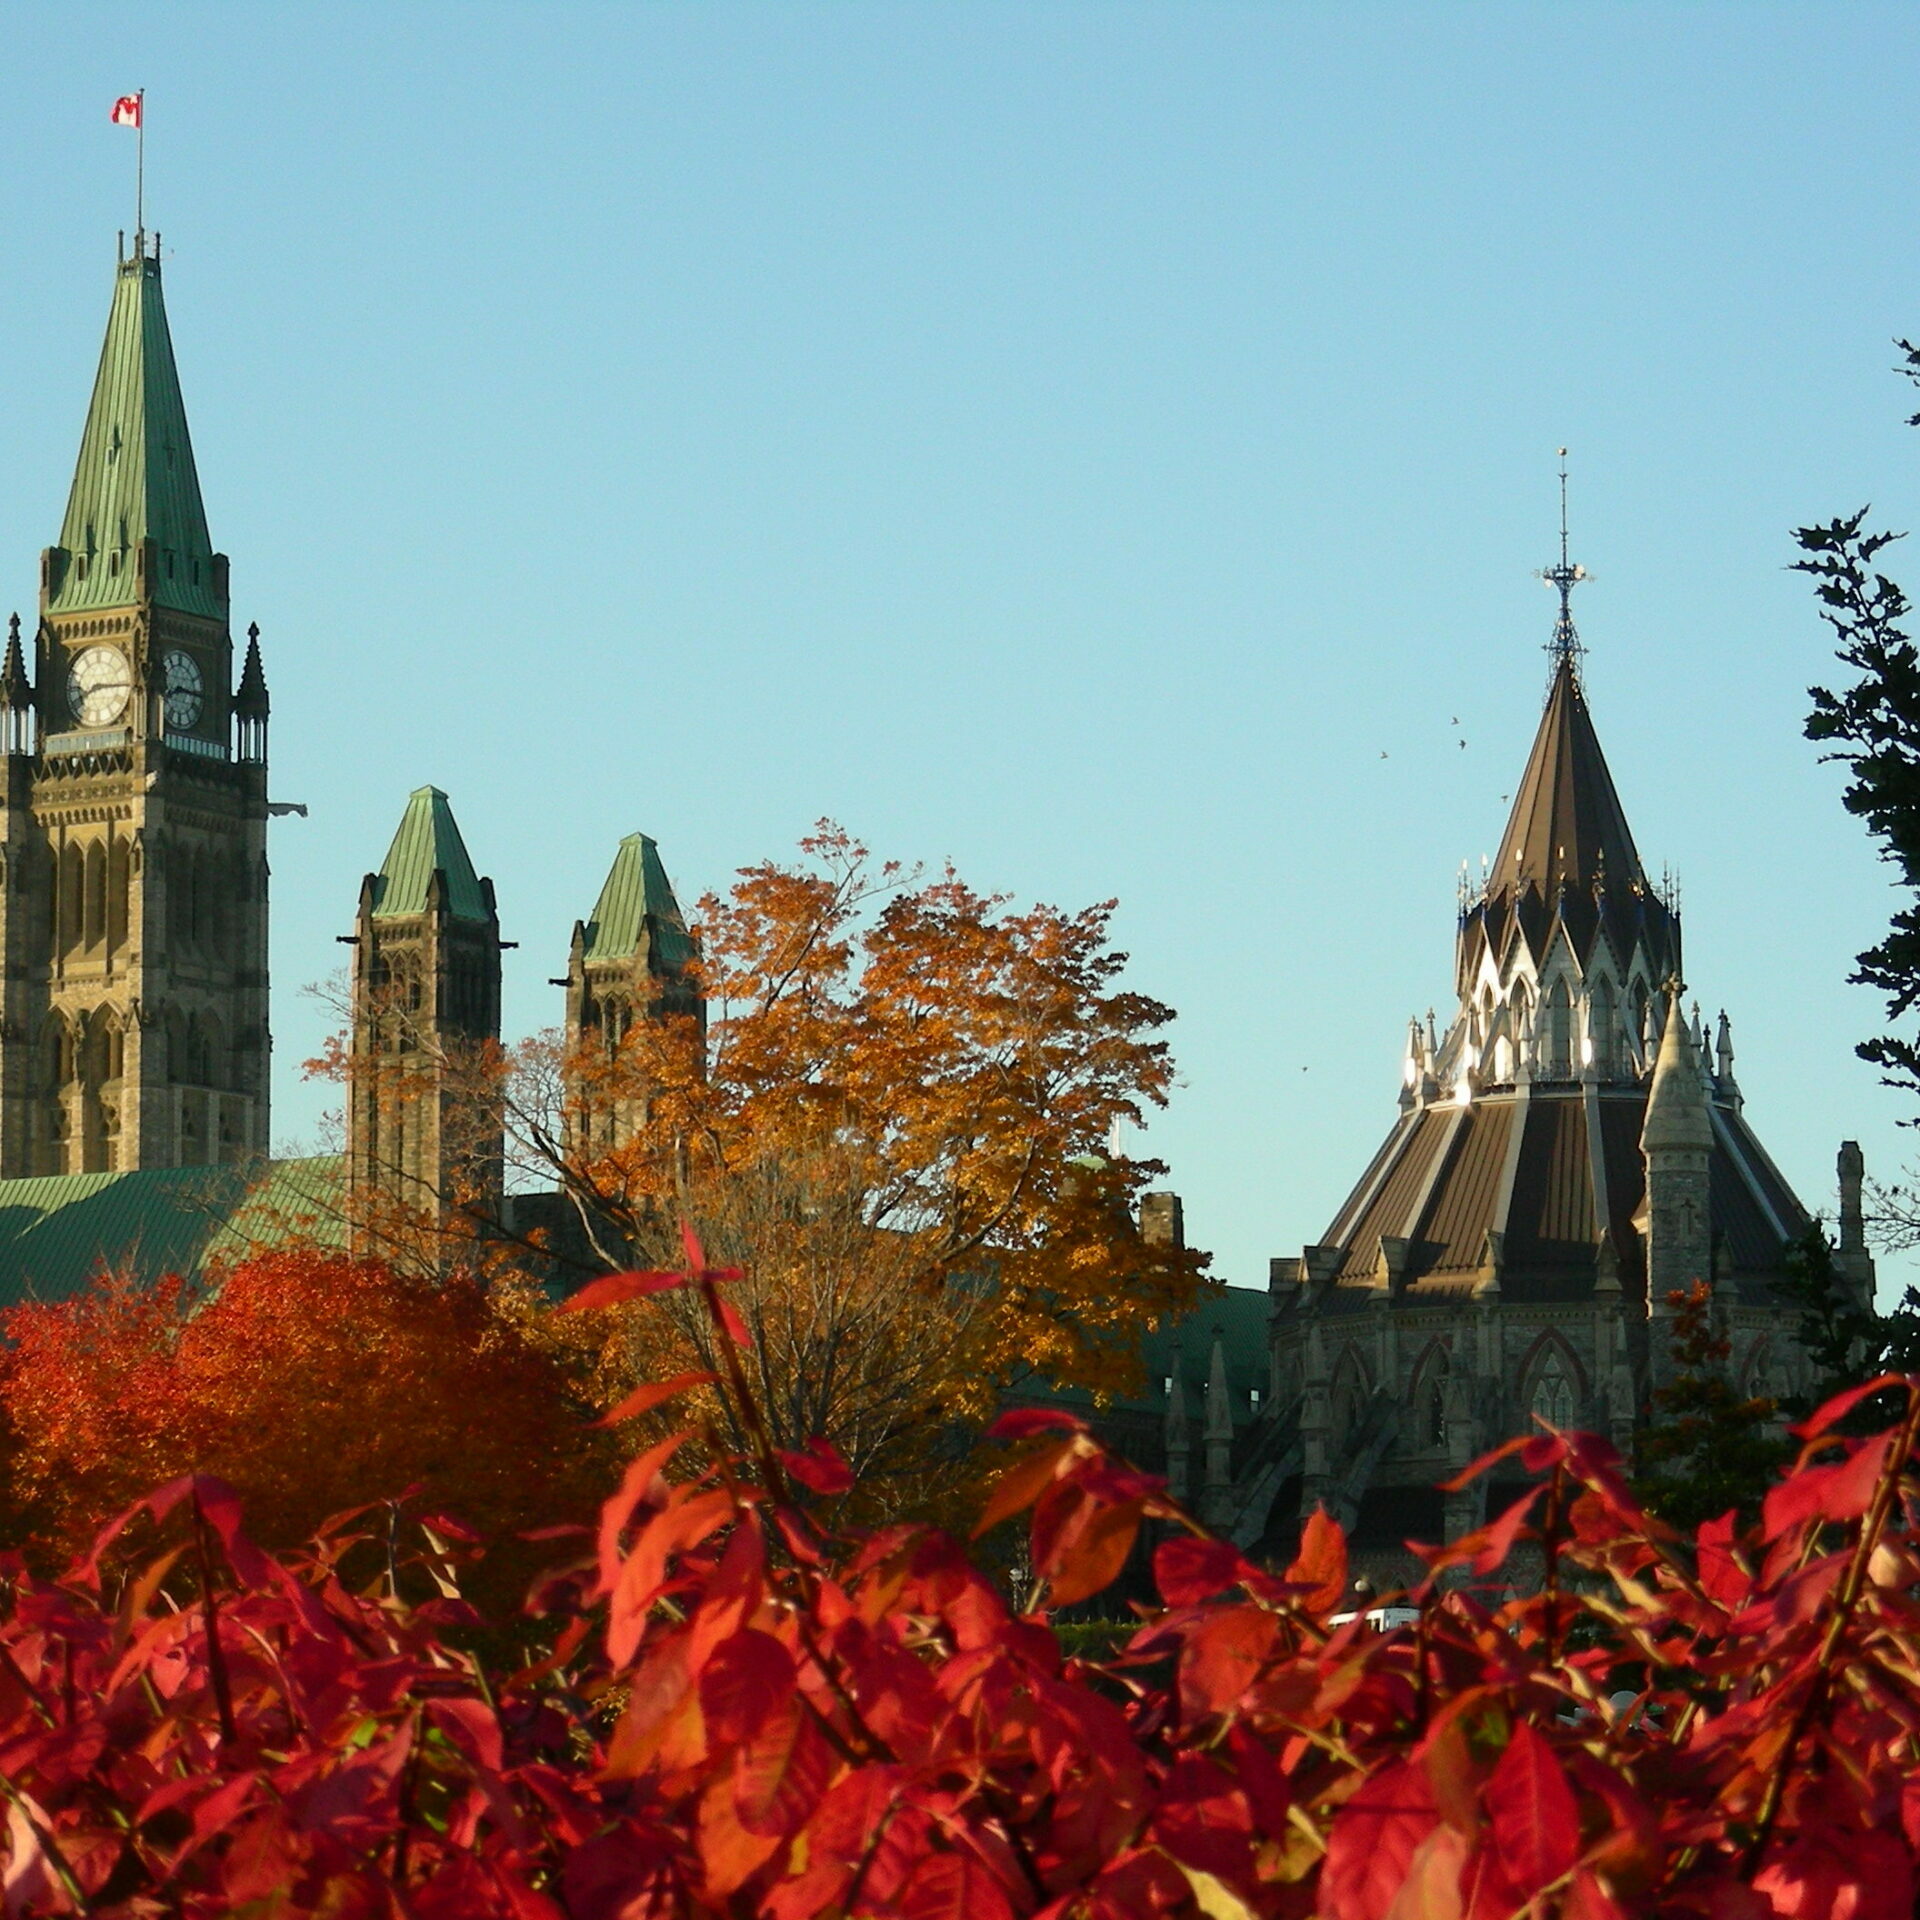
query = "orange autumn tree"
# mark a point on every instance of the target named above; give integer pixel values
(893, 1111)
(310, 1381)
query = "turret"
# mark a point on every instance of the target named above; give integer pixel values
(1677, 1141)
(19, 724)
(251, 706)
(1179, 1440)
(1851, 1257)
(423, 1136)
(630, 959)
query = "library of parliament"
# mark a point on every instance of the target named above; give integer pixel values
(1569, 1148)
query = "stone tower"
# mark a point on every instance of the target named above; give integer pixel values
(628, 961)
(1677, 1142)
(133, 870)
(426, 1009)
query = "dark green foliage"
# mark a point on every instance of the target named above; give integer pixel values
(1873, 728)
(1708, 1448)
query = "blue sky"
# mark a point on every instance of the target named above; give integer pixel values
(1076, 440)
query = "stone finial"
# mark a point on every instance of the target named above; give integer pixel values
(1852, 1168)
(1677, 1116)
(1179, 1443)
(1219, 1399)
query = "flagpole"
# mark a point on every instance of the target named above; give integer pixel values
(140, 172)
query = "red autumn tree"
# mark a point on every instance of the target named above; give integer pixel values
(310, 1381)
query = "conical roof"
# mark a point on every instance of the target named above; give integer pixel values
(636, 904)
(1567, 827)
(428, 841)
(135, 479)
(1677, 1115)
(250, 697)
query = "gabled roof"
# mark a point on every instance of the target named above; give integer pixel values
(1567, 826)
(428, 841)
(135, 479)
(636, 904)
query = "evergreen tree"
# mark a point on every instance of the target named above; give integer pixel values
(1708, 1448)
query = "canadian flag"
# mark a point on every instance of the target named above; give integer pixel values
(126, 110)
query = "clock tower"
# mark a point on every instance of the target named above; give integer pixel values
(133, 806)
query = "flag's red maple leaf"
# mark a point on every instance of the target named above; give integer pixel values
(1536, 1823)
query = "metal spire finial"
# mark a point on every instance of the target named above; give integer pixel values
(1564, 649)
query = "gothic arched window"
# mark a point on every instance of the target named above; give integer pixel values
(1602, 1036)
(1430, 1401)
(1553, 1397)
(1349, 1396)
(1556, 1038)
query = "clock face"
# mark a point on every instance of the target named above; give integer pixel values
(181, 687)
(98, 685)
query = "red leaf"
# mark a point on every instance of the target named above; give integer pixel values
(1373, 1842)
(952, 1886)
(1832, 1412)
(1188, 1570)
(747, 1679)
(1431, 1890)
(655, 1393)
(1022, 1423)
(1223, 1655)
(1023, 1483)
(1080, 1541)
(636, 1490)
(730, 1319)
(1843, 1491)
(780, 1774)
(673, 1529)
(1587, 1899)
(1536, 1825)
(611, 1288)
(821, 1468)
(1099, 1551)
(1321, 1562)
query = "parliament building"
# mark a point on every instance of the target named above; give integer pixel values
(1570, 1149)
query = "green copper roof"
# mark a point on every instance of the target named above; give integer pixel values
(56, 1232)
(427, 840)
(136, 479)
(638, 892)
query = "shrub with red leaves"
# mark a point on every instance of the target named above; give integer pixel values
(735, 1712)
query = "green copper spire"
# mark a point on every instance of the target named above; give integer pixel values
(135, 480)
(427, 842)
(637, 900)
